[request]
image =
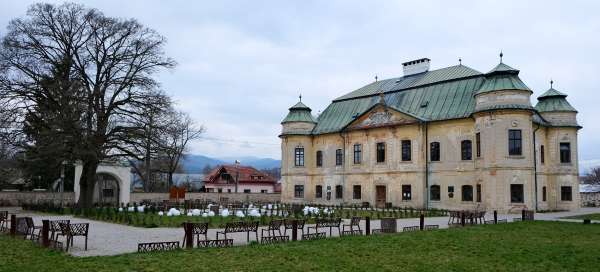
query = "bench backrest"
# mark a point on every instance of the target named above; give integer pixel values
(158, 246)
(328, 222)
(241, 226)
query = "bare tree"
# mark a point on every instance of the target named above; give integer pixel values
(110, 64)
(174, 141)
(592, 176)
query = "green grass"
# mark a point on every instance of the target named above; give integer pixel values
(591, 216)
(525, 246)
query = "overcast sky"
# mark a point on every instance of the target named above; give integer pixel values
(242, 64)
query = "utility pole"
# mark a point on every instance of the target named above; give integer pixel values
(237, 175)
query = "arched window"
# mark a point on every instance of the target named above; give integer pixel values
(434, 151)
(319, 158)
(467, 193)
(434, 193)
(466, 150)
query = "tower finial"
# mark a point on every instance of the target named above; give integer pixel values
(551, 83)
(376, 78)
(300, 96)
(501, 55)
(459, 61)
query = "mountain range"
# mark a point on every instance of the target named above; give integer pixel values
(196, 163)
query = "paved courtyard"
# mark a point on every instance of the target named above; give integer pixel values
(112, 239)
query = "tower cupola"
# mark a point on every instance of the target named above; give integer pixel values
(299, 120)
(503, 89)
(555, 109)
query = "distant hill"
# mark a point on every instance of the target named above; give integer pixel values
(195, 163)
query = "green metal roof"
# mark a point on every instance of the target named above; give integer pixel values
(500, 82)
(300, 106)
(502, 77)
(299, 113)
(503, 68)
(551, 93)
(447, 100)
(412, 81)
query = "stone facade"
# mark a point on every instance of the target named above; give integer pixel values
(487, 177)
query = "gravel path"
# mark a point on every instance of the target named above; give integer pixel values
(113, 239)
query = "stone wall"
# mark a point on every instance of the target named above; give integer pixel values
(19, 198)
(252, 197)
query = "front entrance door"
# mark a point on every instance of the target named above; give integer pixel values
(380, 197)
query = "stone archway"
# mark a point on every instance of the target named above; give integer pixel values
(107, 189)
(113, 176)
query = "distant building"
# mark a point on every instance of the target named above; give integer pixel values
(222, 180)
(590, 195)
(451, 138)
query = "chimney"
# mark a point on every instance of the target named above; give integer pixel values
(416, 66)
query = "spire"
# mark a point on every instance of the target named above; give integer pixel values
(501, 55)
(551, 83)
(375, 78)
(459, 61)
(300, 97)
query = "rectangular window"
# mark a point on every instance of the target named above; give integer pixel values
(434, 193)
(220, 190)
(339, 192)
(299, 191)
(466, 150)
(319, 158)
(566, 193)
(339, 157)
(357, 153)
(264, 191)
(380, 152)
(406, 193)
(467, 193)
(318, 191)
(435, 151)
(406, 150)
(542, 155)
(356, 192)
(514, 142)
(478, 144)
(246, 191)
(299, 156)
(450, 191)
(478, 192)
(565, 152)
(544, 193)
(516, 193)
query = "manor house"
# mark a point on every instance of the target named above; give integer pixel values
(451, 138)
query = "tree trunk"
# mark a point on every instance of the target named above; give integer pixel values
(170, 179)
(87, 183)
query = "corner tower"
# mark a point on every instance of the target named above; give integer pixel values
(296, 145)
(558, 171)
(504, 132)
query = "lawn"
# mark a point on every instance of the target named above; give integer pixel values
(525, 246)
(591, 216)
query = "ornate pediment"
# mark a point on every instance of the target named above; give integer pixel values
(381, 116)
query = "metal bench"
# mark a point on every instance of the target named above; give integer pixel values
(274, 225)
(411, 228)
(354, 222)
(73, 230)
(431, 227)
(326, 223)
(288, 224)
(157, 246)
(215, 243)
(314, 236)
(197, 230)
(240, 226)
(266, 240)
(388, 225)
(55, 230)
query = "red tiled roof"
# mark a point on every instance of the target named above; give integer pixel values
(247, 174)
